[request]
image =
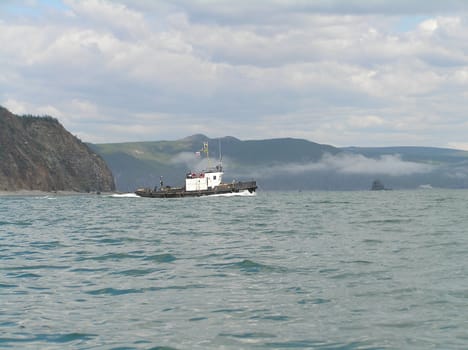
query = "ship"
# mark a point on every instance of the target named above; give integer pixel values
(204, 183)
(377, 185)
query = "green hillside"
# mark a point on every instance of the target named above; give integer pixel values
(285, 164)
(140, 164)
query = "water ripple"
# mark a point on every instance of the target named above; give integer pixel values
(318, 270)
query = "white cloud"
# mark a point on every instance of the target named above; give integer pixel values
(429, 26)
(367, 121)
(22, 108)
(106, 15)
(15, 106)
(320, 70)
(352, 164)
(459, 145)
(391, 165)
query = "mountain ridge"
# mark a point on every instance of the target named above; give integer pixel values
(287, 163)
(38, 153)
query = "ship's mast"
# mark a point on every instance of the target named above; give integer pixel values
(207, 154)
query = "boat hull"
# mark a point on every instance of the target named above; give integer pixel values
(169, 192)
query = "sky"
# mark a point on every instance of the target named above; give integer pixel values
(365, 73)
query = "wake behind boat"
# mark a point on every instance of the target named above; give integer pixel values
(205, 183)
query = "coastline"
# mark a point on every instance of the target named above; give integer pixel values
(35, 193)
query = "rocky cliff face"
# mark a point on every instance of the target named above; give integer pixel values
(37, 153)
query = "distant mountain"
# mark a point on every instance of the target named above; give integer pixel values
(140, 164)
(37, 153)
(286, 164)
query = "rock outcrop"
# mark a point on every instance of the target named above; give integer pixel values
(37, 153)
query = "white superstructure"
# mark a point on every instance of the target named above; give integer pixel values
(206, 180)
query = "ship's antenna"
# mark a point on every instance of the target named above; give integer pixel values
(220, 154)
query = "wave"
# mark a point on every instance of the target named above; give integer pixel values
(124, 195)
(236, 194)
(163, 258)
(251, 266)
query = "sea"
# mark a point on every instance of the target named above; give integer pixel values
(274, 270)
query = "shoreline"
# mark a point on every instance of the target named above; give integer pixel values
(35, 193)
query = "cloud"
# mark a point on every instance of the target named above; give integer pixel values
(22, 108)
(192, 162)
(119, 19)
(352, 164)
(328, 71)
(245, 10)
(16, 107)
(459, 145)
(391, 165)
(365, 122)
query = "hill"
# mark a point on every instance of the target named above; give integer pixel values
(286, 164)
(140, 164)
(37, 153)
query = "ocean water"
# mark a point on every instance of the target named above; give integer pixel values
(304, 270)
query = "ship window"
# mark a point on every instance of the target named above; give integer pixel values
(214, 177)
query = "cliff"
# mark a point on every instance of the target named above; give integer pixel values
(37, 153)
